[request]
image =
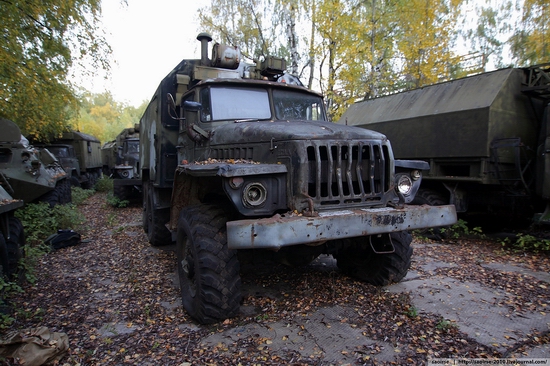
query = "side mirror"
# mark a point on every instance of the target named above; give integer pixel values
(192, 106)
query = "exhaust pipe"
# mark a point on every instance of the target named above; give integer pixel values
(204, 38)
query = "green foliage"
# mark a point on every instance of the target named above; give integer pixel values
(33, 253)
(412, 312)
(79, 195)
(461, 228)
(42, 41)
(103, 117)
(6, 321)
(105, 184)
(115, 201)
(458, 230)
(40, 221)
(362, 49)
(526, 242)
(445, 324)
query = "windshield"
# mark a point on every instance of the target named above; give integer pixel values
(59, 151)
(230, 103)
(132, 146)
(291, 105)
(233, 103)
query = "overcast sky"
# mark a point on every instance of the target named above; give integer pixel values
(148, 38)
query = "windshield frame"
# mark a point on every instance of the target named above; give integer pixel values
(265, 92)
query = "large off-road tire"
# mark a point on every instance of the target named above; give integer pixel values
(429, 197)
(208, 270)
(122, 192)
(75, 182)
(359, 260)
(432, 198)
(154, 220)
(66, 192)
(61, 194)
(15, 247)
(4, 262)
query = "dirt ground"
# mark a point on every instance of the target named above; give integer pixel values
(117, 299)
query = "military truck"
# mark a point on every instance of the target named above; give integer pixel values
(239, 159)
(29, 174)
(486, 138)
(80, 156)
(12, 236)
(121, 162)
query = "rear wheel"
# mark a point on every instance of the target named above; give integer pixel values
(208, 270)
(15, 247)
(429, 197)
(121, 192)
(61, 194)
(358, 259)
(4, 262)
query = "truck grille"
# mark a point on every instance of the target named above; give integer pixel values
(340, 173)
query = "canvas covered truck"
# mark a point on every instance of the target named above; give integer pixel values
(240, 159)
(121, 162)
(30, 174)
(486, 138)
(80, 156)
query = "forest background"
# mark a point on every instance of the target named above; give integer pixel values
(349, 50)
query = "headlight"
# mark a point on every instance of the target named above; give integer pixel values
(254, 195)
(404, 184)
(125, 173)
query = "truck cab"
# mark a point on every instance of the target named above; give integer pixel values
(241, 157)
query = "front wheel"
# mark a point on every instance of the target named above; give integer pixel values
(358, 259)
(208, 270)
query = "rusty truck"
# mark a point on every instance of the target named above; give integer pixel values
(238, 158)
(486, 138)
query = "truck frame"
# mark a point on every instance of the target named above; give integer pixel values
(240, 159)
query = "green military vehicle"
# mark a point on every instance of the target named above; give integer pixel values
(121, 162)
(80, 156)
(240, 158)
(486, 138)
(29, 174)
(12, 236)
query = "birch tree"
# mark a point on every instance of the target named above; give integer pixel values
(41, 41)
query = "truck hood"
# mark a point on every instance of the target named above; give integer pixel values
(265, 131)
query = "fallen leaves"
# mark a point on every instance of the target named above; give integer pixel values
(115, 297)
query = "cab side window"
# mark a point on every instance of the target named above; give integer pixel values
(206, 112)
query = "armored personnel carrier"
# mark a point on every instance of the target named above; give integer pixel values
(30, 174)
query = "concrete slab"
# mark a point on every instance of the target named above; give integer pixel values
(324, 336)
(479, 312)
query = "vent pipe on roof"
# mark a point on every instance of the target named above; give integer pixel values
(204, 38)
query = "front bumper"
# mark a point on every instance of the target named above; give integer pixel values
(279, 231)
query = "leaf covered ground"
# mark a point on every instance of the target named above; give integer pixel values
(117, 299)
